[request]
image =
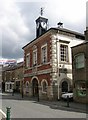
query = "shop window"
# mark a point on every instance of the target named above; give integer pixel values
(81, 89)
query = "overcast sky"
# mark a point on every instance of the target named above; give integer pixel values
(17, 21)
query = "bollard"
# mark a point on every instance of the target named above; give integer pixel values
(67, 101)
(8, 113)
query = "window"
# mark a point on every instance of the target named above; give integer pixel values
(44, 86)
(27, 87)
(64, 53)
(81, 88)
(34, 57)
(79, 59)
(44, 54)
(27, 60)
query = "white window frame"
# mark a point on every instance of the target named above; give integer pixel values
(42, 57)
(64, 53)
(35, 57)
(78, 62)
(28, 60)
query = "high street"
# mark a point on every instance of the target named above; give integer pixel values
(31, 108)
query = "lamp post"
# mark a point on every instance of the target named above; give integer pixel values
(67, 101)
(38, 93)
(22, 90)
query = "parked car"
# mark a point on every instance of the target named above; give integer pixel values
(65, 95)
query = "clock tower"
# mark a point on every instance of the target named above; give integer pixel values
(41, 26)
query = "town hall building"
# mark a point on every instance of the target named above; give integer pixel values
(47, 61)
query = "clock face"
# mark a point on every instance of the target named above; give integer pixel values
(43, 24)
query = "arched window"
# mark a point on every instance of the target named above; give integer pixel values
(44, 86)
(27, 87)
(64, 86)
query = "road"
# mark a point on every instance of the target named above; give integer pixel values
(32, 109)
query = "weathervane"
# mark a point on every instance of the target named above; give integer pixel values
(42, 11)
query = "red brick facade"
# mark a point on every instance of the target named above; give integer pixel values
(40, 71)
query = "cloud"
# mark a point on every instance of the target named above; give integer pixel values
(17, 21)
(14, 30)
(71, 12)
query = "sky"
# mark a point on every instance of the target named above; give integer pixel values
(17, 21)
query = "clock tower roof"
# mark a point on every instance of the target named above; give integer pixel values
(41, 19)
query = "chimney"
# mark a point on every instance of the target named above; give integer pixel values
(60, 25)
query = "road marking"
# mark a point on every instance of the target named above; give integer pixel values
(4, 93)
(3, 114)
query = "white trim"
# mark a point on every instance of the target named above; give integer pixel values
(46, 71)
(35, 77)
(38, 66)
(27, 82)
(67, 52)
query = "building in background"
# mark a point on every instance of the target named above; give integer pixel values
(80, 70)
(48, 62)
(12, 77)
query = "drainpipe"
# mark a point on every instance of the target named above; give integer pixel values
(57, 65)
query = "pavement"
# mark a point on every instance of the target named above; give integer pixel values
(62, 105)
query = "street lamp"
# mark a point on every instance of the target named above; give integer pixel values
(22, 90)
(38, 93)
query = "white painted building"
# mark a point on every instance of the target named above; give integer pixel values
(62, 42)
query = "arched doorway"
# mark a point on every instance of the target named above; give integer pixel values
(35, 87)
(64, 86)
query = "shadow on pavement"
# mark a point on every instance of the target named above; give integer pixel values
(60, 105)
